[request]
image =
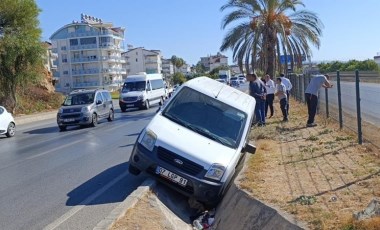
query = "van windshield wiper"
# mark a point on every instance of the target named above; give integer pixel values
(207, 133)
(176, 119)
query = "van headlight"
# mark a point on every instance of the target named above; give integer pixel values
(85, 109)
(141, 97)
(149, 140)
(60, 110)
(215, 172)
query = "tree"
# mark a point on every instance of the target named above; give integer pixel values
(178, 78)
(21, 51)
(200, 68)
(177, 62)
(266, 29)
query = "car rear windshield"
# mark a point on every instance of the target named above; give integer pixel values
(207, 116)
(79, 99)
(133, 86)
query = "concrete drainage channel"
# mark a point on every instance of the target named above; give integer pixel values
(237, 211)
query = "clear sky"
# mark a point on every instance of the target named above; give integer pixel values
(192, 29)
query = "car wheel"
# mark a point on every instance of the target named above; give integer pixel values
(111, 115)
(133, 170)
(11, 131)
(147, 106)
(94, 120)
(62, 128)
(161, 103)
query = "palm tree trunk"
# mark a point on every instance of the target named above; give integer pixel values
(271, 44)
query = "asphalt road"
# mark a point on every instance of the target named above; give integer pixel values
(67, 180)
(369, 99)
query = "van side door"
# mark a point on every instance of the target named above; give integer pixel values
(100, 104)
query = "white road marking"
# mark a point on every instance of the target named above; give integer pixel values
(41, 154)
(83, 204)
(53, 150)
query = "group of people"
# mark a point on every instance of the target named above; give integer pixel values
(264, 91)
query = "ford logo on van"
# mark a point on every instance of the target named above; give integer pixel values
(178, 161)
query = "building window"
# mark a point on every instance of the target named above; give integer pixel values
(136, 60)
(63, 47)
(88, 41)
(65, 72)
(64, 58)
(73, 42)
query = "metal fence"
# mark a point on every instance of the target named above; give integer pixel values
(354, 104)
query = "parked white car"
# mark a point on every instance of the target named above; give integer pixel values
(197, 142)
(7, 123)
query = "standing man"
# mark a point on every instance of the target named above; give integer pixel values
(270, 87)
(288, 86)
(311, 95)
(257, 90)
(281, 94)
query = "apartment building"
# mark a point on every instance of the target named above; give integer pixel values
(167, 67)
(213, 61)
(142, 60)
(89, 55)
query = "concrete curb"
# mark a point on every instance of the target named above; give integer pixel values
(127, 204)
(25, 119)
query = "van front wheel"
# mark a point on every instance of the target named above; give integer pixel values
(147, 105)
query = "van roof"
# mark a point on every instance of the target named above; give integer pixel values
(223, 92)
(144, 76)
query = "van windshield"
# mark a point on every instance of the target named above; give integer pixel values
(207, 116)
(79, 99)
(133, 86)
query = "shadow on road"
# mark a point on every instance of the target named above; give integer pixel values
(110, 186)
(53, 129)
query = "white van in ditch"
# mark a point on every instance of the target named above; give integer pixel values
(141, 91)
(197, 142)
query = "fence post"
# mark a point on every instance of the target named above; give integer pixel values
(360, 137)
(339, 100)
(327, 102)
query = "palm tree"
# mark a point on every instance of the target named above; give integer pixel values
(267, 29)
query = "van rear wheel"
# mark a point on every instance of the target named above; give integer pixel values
(111, 115)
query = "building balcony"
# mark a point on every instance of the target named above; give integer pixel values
(85, 71)
(116, 59)
(86, 84)
(85, 59)
(84, 47)
(114, 70)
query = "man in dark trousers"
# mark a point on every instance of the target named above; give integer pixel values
(258, 91)
(311, 95)
(288, 87)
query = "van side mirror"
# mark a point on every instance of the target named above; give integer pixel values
(98, 102)
(250, 148)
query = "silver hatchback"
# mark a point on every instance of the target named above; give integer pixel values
(85, 107)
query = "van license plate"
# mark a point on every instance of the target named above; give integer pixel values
(172, 176)
(69, 120)
(130, 105)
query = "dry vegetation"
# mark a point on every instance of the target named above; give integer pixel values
(34, 99)
(319, 174)
(146, 215)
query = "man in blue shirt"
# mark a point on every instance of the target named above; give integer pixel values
(258, 91)
(311, 95)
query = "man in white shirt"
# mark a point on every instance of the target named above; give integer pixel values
(271, 88)
(288, 86)
(311, 95)
(281, 94)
